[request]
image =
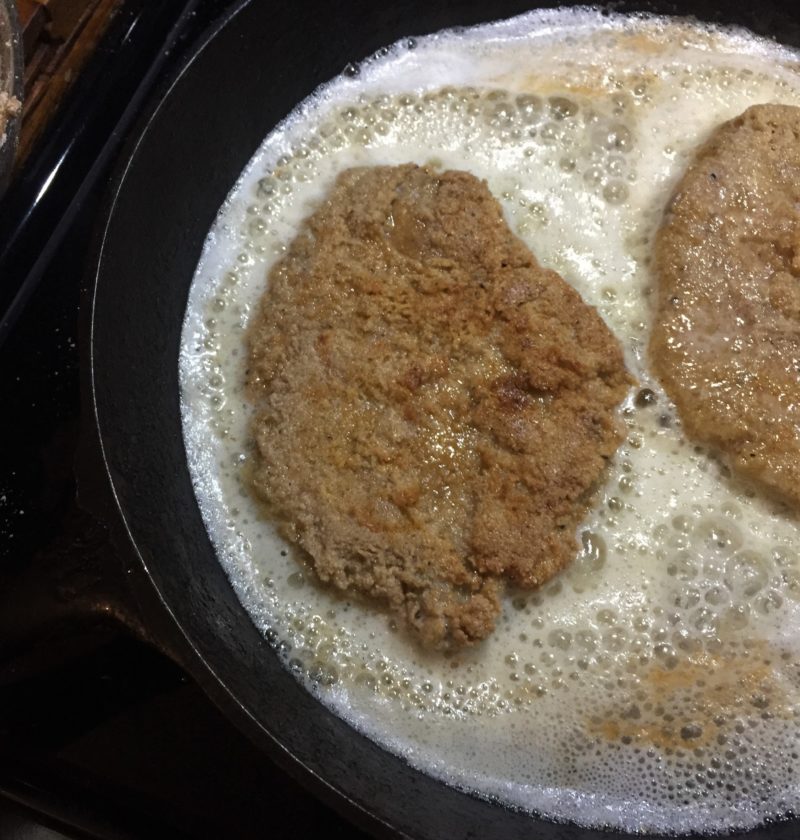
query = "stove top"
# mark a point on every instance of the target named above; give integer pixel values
(100, 736)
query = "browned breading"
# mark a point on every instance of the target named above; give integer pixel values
(433, 408)
(726, 340)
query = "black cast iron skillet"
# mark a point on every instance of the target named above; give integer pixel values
(250, 73)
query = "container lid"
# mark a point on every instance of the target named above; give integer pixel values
(10, 86)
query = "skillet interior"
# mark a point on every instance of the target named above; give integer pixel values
(202, 132)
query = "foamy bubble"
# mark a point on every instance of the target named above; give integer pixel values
(654, 684)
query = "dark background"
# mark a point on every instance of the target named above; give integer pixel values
(100, 735)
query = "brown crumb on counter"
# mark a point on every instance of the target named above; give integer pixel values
(10, 106)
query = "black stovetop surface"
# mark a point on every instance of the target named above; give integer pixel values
(100, 735)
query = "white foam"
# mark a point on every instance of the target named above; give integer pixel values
(685, 578)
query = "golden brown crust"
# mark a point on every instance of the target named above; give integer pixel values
(726, 340)
(433, 407)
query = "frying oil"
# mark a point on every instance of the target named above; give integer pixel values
(655, 684)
